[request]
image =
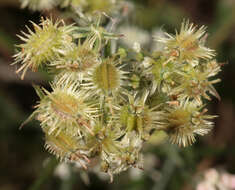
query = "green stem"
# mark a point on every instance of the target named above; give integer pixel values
(46, 173)
(223, 30)
(173, 160)
(167, 171)
(102, 108)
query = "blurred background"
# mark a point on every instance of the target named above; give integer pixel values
(25, 164)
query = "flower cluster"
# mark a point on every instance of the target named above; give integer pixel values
(106, 103)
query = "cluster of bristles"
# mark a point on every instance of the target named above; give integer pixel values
(105, 104)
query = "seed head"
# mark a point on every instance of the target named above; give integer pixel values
(188, 44)
(184, 121)
(47, 42)
(107, 77)
(197, 83)
(67, 148)
(76, 63)
(66, 109)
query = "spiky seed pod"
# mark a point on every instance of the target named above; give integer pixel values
(77, 61)
(106, 78)
(184, 121)
(196, 83)
(66, 109)
(137, 116)
(67, 148)
(48, 41)
(39, 5)
(188, 44)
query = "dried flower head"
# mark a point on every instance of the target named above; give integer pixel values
(48, 41)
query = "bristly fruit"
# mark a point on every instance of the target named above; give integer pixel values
(188, 43)
(48, 41)
(107, 78)
(76, 62)
(66, 109)
(185, 120)
(105, 103)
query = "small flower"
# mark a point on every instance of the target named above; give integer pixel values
(188, 44)
(157, 33)
(48, 42)
(184, 121)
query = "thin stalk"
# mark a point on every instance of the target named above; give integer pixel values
(223, 31)
(46, 173)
